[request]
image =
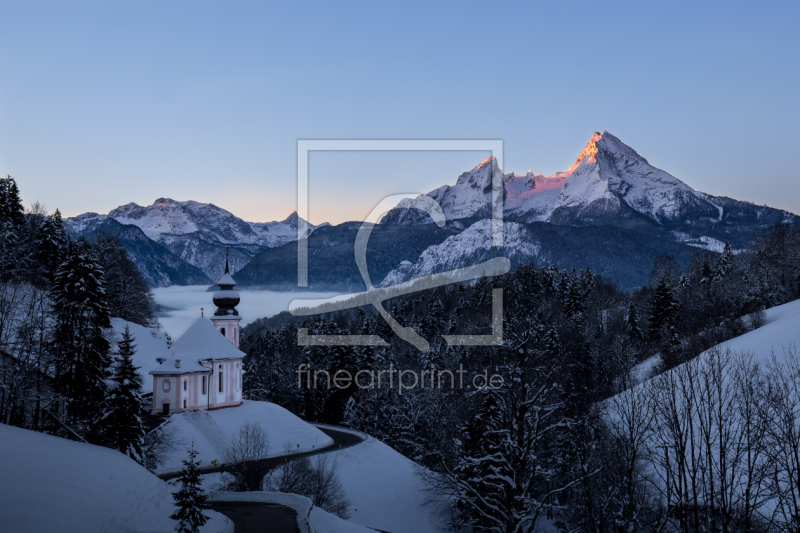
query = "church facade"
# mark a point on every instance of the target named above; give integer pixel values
(203, 368)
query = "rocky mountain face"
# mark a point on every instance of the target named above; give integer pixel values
(610, 210)
(609, 183)
(608, 186)
(197, 233)
(159, 266)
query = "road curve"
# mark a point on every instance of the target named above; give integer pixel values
(341, 439)
(254, 517)
(257, 517)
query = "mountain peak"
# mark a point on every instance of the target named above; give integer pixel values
(603, 143)
(486, 163)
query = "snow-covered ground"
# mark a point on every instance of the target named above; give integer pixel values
(781, 331)
(53, 484)
(384, 490)
(211, 431)
(316, 520)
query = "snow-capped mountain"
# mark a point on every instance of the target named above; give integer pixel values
(199, 233)
(470, 247)
(158, 266)
(608, 179)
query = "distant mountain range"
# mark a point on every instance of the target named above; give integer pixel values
(610, 210)
(186, 240)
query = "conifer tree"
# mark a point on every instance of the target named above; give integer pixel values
(50, 242)
(480, 463)
(190, 498)
(664, 307)
(12, 221)
(80, 349)
(122, 423)
(632, 322)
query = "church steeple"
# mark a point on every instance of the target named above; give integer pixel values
(226, 299)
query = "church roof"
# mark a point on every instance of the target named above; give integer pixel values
(201, 341)
(226, 279)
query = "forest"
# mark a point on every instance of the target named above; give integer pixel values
(573, 437)
(606, 419)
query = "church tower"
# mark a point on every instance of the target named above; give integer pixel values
(226, 318)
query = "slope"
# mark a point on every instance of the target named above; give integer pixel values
(53, 484)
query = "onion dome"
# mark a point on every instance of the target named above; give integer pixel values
(226, 299)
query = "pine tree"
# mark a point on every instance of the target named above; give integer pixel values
(664, 307)
(632, 322)
(434, 322)
(12, 221)
(80, 349)
(480, 463)
(50, 243)
(724, 264)
(122, 423)
(190, 499)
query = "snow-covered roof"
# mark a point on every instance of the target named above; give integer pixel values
(226, 280)
(201, 341)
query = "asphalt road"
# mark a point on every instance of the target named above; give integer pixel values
(253, 517)
(341, 439)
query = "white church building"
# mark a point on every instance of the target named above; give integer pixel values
(203, 368)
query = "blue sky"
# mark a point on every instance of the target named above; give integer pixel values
(105, 103)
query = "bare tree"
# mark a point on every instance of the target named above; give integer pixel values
(158, 443)
(315, 478)
(249, 445)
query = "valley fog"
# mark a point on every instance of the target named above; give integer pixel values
(183, 303)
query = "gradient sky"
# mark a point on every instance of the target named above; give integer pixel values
(105, 103)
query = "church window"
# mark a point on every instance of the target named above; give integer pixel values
(204, 384)
(220, 381)
(222, 330)
(184, 404)
(184, 384)
(166, 385)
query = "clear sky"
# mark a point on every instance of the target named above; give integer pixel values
(104, 103)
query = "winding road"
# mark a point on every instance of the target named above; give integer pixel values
(255, 517)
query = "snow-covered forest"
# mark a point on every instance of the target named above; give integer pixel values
(58, 373)
(617, 410)
(573, 439)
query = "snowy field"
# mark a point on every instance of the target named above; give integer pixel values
(186, 302)
(384, 490)
(212, 431)
(53, 484)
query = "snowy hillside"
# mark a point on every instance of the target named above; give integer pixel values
(472, 246)
(211, 431)
(384, 489)
(53, 484)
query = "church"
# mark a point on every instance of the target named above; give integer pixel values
(203, 368)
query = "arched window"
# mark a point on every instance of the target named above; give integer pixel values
(222, 330)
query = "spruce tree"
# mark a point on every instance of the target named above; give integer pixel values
(632, 322)
(664, 306)
(190, 498)
(122, 423)
(80, 349)
(480, 463)
(12, 221)
(50, 243)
